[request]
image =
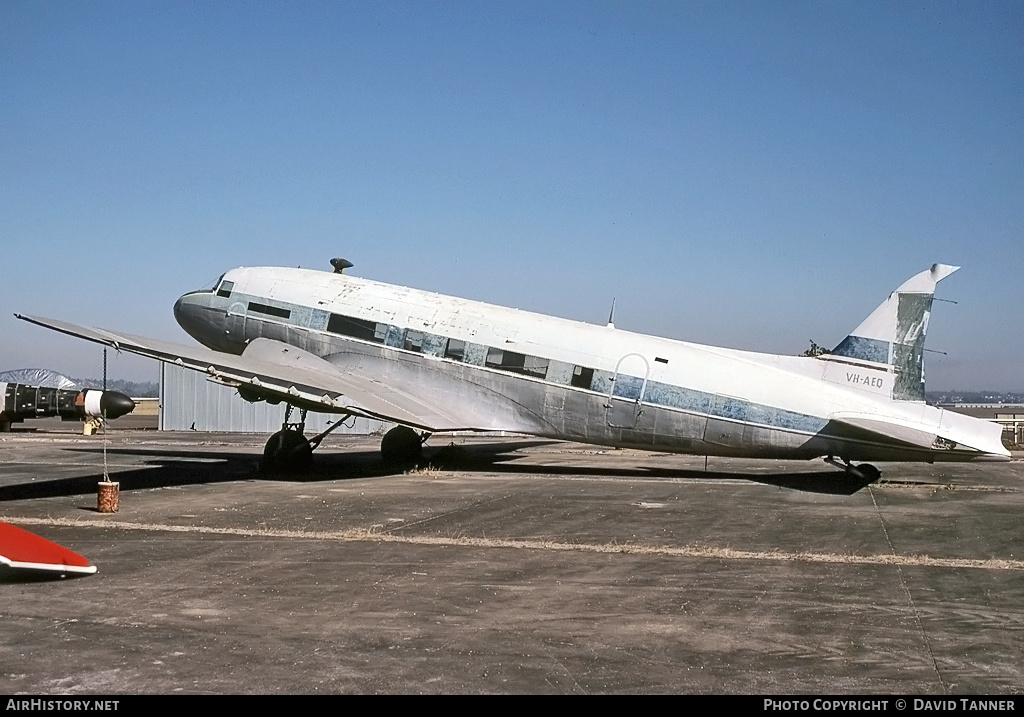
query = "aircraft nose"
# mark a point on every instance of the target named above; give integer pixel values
(186, 314)
(194, 313)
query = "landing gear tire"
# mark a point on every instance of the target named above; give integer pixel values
(288, 451)
(868, 472)
(401, 445)
(864, 472)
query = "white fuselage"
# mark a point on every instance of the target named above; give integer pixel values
(568, 379)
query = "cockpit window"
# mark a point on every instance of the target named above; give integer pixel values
(225, 288)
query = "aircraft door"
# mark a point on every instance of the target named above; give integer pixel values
(627, 392)
(234, 324)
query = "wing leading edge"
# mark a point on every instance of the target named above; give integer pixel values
(274, 369)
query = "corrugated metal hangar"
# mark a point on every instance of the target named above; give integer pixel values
(190, 402)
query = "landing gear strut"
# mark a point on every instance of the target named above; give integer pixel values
(288, 450)
(865, 471)
(401, 445)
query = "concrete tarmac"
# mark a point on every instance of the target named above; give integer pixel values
(531, 567)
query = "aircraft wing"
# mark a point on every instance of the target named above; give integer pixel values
(278, 370)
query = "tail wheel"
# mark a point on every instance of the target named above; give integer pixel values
(865, 471)
(868, 472)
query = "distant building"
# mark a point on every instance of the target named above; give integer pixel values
(189, 402)
(1013, 423)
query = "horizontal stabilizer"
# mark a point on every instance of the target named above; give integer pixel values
(22, 550)
(890, 431)
(983, 436)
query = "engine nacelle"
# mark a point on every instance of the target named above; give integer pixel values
(104, 404)
(19, 401)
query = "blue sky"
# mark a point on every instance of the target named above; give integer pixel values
(753, 175)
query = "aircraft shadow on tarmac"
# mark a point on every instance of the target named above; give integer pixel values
(831, 482)
(179, 467)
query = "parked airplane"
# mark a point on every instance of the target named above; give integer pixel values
(432, 363)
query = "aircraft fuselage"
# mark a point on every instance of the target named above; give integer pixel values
(497, 368)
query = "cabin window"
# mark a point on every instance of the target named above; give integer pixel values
(536, 366)
(582, 377)
(225, 288)
(269, 310)
(517, 363)
(413, 341)
(357, 328)
(455, 350)
(505, 360)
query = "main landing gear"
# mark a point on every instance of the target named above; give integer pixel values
(288, 450)
(864, 471)
(402, 446)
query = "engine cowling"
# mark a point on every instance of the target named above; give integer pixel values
(19, 401)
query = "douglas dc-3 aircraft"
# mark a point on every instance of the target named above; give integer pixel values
(431, 363)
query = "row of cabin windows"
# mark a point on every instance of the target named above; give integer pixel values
(431, 344)
(455, 349)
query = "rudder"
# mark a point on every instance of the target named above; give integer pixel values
(894, 333)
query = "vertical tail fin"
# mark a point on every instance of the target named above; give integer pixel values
(894, 332)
